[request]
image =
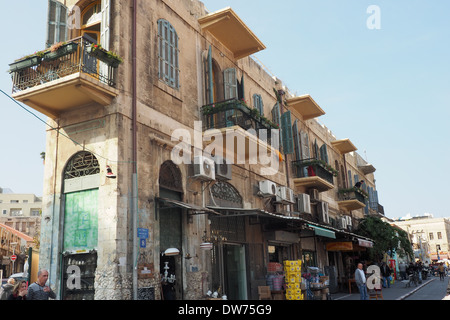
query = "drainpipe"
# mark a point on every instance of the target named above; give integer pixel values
(134, 161)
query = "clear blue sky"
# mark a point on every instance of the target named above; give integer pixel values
(387, 89)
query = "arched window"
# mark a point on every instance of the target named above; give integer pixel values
(168, 54)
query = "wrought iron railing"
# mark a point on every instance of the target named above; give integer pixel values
(74, 56)
(352, 194)
(234, 112)
(313, 167)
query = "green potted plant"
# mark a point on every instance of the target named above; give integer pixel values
(108, 57)
(26, 62)
(59, 50)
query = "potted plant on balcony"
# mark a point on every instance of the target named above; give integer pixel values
(26, 62)
(60, 49)
(108, 57)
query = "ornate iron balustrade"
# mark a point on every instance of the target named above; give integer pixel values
(233, 112)
(352, 194)
(74, 56)
(313, 167)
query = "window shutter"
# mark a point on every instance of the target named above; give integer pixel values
(258, 104)
(286, 127)
(297, 145)
(324, 153)
(230, 83)
(356, 179)
(210, 77)
(316, 150)
(106, 16)
(350, 181)
(276, 114)
(304, 141)
(57, 23)
(168, 54)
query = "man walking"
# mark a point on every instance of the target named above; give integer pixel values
(360, 279)
(38, 290)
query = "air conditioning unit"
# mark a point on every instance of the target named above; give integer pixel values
(342, 223)
(349, 222)
(303, 203)
(322, 211)
(281, 194)
(204, 168)
(268, 188)
(223, 169)
(285, 195)
(314, 194)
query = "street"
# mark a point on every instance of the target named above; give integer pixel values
(430, 289)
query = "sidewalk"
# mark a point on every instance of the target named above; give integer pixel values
(397, 291)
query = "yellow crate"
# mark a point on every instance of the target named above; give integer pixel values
(293, 286)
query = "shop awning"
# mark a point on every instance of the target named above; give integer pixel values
(318, 231)
(190, 207)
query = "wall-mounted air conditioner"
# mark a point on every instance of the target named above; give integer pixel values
(349, 222)
(342, 223)
(267, 188)
(314, 195)
(303, 203)
(281, 194)
(223, 169)
(322, 211)
(204, 168)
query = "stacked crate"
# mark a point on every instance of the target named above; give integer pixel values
(293, 279)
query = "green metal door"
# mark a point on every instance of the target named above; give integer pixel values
(81, 220)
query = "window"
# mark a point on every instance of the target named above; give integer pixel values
(439, 235)
(168, 54)
(431, 236)
(57, 23)
(258, 103)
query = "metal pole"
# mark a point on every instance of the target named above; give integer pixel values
(134, 178)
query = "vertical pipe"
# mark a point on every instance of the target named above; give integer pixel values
(134, 162)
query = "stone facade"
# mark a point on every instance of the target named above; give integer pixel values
(107, 133)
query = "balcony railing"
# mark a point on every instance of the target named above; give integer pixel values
(313, 168)
(77, 55)
(352, 199)
(230, 113)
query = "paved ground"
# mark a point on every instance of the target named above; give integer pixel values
(399, 291)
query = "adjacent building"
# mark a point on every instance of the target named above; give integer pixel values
(175, 164)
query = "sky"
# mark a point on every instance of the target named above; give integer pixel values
(380, 69)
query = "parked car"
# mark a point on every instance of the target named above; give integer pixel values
(16, 276)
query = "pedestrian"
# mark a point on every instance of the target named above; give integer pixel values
(360, 279)
(7, 289)
(386, 274)
(402, 268)
(441, 270)
(38, 290)
(19, 292)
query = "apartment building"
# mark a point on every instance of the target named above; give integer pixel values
(175, 164)
(430, 237)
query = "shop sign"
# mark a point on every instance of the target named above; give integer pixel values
(365, 243)
(340, 246)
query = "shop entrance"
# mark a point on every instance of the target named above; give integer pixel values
(235, 271)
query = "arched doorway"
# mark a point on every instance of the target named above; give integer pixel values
(171, 230)
(80, 219)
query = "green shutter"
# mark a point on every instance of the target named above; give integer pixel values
(258, 103)
(286, 128)
(230, 83)
(210, 77)
(324, 153)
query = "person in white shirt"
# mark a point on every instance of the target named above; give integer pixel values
(360, 279)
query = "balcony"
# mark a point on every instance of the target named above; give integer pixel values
(313, 173)
(352, 199)
(226, 26)
(306, 107)
(74, 75)
(233, 119)
(344, 146)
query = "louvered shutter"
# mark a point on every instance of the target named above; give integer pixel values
(324, 153)
(230, 83)
(286, 128)
(57, 23)
(210, 77)
(258, 103)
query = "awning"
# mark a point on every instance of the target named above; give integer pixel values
(190, 207)
(318, 231)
